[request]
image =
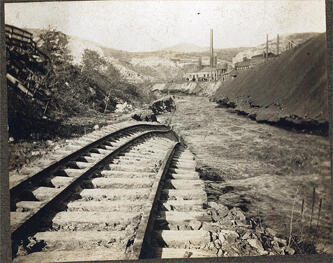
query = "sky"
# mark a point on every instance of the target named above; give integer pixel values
(153, 25)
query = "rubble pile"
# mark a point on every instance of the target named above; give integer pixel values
(165, 104)
(144, 115)
(123, 107)
(232, 234)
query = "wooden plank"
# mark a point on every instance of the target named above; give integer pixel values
(18, 84)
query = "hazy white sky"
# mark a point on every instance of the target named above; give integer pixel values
(151, 25)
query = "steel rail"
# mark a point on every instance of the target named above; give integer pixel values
(14, 190)
(33, 221)
(142, 244)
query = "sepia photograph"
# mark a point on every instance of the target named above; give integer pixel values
(168, 130)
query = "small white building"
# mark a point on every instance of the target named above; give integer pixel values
(206, 74)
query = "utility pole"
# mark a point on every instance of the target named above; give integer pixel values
(211, 49)
(266, 46)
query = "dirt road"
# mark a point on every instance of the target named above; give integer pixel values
(264, 170)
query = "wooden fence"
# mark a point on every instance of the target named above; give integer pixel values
(23, 36)
(16, 33)
(23, 56)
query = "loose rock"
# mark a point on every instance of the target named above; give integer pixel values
(165, 104)
(271, 232)
(255, 243)
(195, 225)
(144, 115)
(290, 250)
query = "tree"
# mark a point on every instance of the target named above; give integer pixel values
(92, 61)
(55, 44)
(113, 74)
(114, 78)
(101, 74)
(62, 77)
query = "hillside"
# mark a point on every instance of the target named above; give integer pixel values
(289, 89)
(77, 46)
(141, 67)
(49, 82)
(297, 38)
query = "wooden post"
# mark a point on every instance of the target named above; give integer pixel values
(302, 214)
(47, 104)
(266, 46)
(313, 201)
(319, 210)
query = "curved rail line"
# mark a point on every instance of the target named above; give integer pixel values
(127, 194)
(35, 194)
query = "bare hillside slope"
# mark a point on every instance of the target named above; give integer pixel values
(289, 88)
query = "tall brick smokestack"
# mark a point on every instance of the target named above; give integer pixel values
(277, 44)
(266, 46)
(211, 49)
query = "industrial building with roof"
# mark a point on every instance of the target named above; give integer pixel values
(253, 61)
(205, 72)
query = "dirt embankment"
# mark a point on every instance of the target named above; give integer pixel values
(290, 90)
(188, 88)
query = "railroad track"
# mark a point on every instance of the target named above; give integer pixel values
(176, 229)
(126, 192)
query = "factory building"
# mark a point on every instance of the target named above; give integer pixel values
(206, 74)
(210, 72)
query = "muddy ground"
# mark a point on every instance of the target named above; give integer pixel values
(264, 170)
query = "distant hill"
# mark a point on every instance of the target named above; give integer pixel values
(186, 48)
(291, 88)
(224, 53)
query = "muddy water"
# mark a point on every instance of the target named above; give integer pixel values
(264, 170)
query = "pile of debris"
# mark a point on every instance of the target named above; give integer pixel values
(123, 107)
(232, 234)
(144, 115)
(165, 104)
